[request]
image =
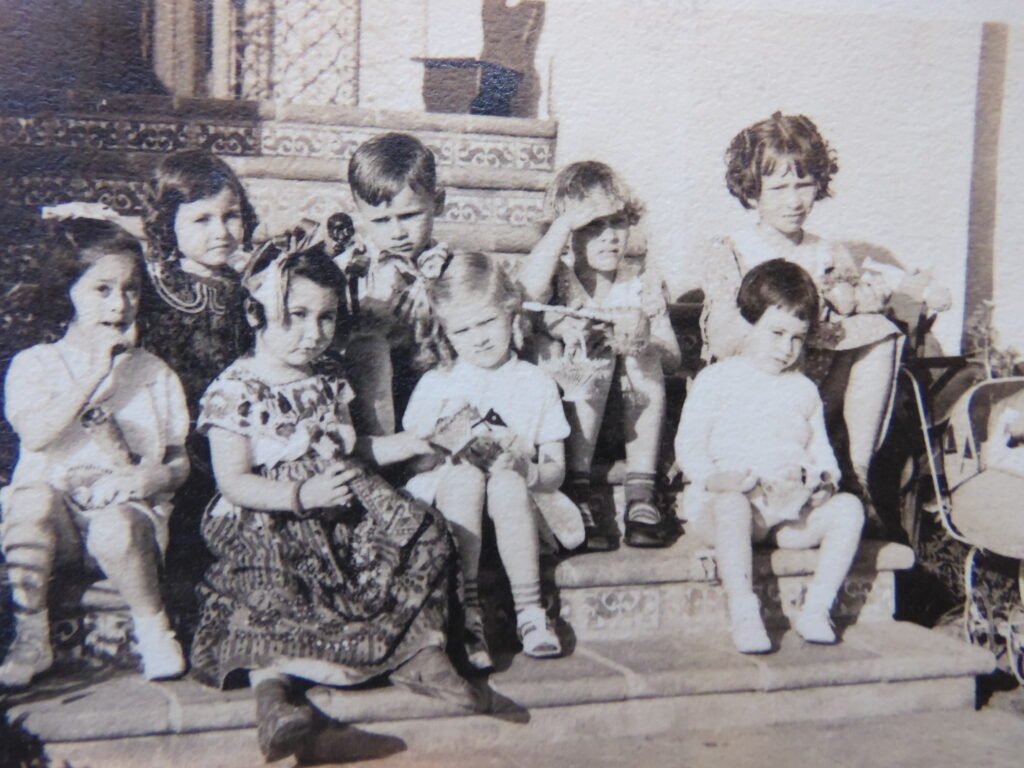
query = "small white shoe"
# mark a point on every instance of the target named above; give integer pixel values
(537, 633)
(747, 627)
(162, 658)
(815, 626)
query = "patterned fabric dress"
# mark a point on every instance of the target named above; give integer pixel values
(337, 595)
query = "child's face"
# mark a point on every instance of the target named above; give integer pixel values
(402, 226)
(602, 242)
(106, 296)
(306, 332)
(775, 341)
(480, 332)
(209, 230)
(786, 199)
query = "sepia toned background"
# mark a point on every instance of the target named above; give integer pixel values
(922, 102)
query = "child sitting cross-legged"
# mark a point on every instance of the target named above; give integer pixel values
(752, 443)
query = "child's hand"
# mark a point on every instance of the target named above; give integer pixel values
(329, 489)
(512, 462)
(842, 298)
(824, 491)
(79, 210)
(573, 331)
(731, 481)
(579, 213)
(140, 483)
(631, 331)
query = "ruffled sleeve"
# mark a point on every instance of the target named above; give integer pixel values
(233, 404)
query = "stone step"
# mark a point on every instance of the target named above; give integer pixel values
(613, 688)
(292, 160)
(634, 592)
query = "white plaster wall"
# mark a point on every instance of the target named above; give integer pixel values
(1009, 240)
(658, 89)
(391, 34)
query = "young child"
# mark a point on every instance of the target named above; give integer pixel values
(322, 571)
(515, 404)
(197, 227)
(102, 427)
(393, 179)
(615, 324)
(780, 167)
(752, 443)
(198, 220)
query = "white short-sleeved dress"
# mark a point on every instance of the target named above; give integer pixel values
(142, 406)
(524, 397)
(739, 418)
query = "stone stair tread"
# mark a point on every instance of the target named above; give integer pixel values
(596, 673)
(686, 561)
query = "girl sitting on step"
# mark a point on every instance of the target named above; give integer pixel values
(102, 426)
(752, 444)
(323, 571)
(502, 420)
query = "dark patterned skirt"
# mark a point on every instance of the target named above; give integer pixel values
(362, 588)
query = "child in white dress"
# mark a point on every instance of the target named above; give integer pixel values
(517, 461)
(102, 426)
(753, 446)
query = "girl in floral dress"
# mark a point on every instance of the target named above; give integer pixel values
(323, 571)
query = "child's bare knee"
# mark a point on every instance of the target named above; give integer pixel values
(119, 532)
(32, 508)
(847, 512)
(504, 483)
(464, 476)
(730, 504)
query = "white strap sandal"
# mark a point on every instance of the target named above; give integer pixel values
(537, 634)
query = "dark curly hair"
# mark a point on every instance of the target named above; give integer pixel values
(788, 139)
(778, 283)
(185, 177)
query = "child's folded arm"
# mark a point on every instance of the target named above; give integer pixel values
(383, 450)
(37, 406)
(550, 467)
(724, 327)
(695, 427)
(538, 269)
(232, 467)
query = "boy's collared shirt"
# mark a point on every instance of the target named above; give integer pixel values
(388, 291)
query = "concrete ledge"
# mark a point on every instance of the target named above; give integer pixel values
(683, 670)
(408, 121)
(687, 561)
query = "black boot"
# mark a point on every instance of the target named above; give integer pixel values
(283, 726)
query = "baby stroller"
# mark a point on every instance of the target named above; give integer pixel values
(971, 476)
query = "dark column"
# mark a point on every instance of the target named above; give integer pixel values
(988, 113)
